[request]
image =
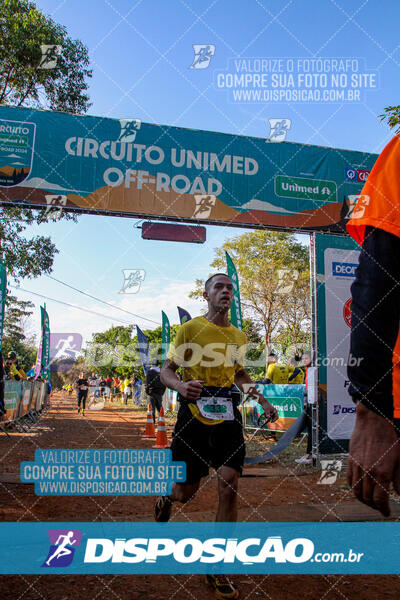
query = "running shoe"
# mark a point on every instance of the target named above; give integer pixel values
(222, 587)
(304, 460)
(79, 410)
(162, 509)
(83, 413)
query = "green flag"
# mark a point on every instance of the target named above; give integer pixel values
(46, 343)
(166, 336)
(236, 311)
(3, 294)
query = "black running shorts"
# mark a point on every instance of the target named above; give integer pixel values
(203, 446)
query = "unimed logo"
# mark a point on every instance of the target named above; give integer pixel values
(191, 550)
(343, 269)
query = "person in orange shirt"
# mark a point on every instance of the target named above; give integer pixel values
(374, 461)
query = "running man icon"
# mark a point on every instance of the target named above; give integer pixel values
(61, 552)
(62, 549)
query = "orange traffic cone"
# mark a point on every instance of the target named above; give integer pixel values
(150, 429)
(161, 439)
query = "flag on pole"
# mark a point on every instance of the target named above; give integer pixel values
(46, 344)
(183, 315)
(3, 294)
(236, 310)
(166, 336)
(143, 349)
(43, 355)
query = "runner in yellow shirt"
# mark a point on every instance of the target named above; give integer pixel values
(208, 431)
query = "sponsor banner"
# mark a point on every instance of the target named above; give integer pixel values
(17, 140)
(12, 396)
(356, 175)
(126, 167)
(337, 261)
(143, 349)
(154, 548)
(166, 336)
(46, 344)
(287, 399)
(236, 309)
(340, 266)
(3, 294)
(344, 269)
(313, 189)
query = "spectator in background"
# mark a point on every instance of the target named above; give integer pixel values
(127, 389)
(277, 374)
(116, 386)
(102, 386)
(82, 387)
(154, 388)
(137, 386)
(12, 369)
(298, 371)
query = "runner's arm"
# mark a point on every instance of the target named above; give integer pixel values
(188, 389)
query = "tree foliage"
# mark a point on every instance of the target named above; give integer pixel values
(116, 351)
(14, 333)
(392, 116)
(273, 270)
(23, 80)
(24, 29)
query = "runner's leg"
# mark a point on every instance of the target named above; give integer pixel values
(228, 480)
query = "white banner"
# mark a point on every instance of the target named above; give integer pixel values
(340, 266)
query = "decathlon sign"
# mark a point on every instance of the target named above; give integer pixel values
(344, 269)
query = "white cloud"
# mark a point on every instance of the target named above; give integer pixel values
(255, 204)
(40, 183)
(148, 302)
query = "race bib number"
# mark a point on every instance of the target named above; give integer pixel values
(217, 409)
(83, 387)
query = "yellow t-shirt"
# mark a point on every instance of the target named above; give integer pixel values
(279, 374)
(210, 353)
(299, 378)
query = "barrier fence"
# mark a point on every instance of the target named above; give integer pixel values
(23, 403)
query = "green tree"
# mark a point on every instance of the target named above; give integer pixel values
(14, 333)
(23, 82)
(23, 79)
(392, 116)
(273, 269)
(116, 351)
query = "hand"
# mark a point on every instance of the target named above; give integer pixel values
(374, 459)
(270, 411)
(190, 390)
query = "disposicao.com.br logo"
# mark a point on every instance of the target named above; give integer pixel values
(62, 547)
(211, 551)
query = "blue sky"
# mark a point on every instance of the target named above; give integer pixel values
(140, 53)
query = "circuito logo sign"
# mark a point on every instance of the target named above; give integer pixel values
(17, 140)
(362, 175)
(356, 175)
(62, 547)
(347, 312)
(350, 174)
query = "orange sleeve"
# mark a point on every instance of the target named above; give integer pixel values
(379, 202)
